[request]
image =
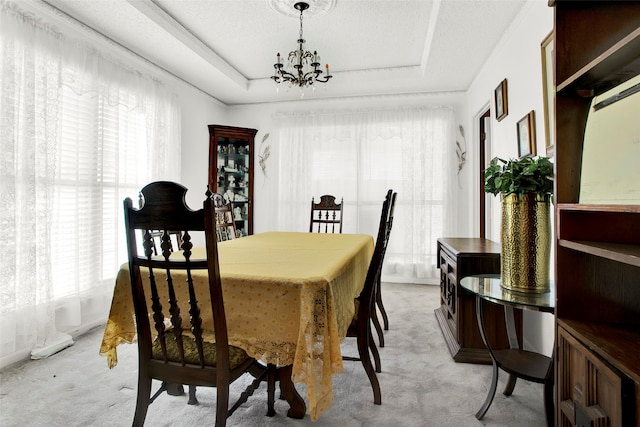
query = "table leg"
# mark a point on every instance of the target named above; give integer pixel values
(511, 384)
(512, 335)
(271, 389)
(494, 377)
(490, 394)
(297, 407)
(175, 389)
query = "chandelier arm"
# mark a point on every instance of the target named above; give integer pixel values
(326, 79)
(311, 75)
(286, 75)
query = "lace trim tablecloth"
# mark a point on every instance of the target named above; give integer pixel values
(289, 299)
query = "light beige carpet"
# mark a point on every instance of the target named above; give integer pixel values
(421, 385)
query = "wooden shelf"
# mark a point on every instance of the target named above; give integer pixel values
(599, 223)
(581, 207)
(615, 344)
(620, 252)
(616, 65)
(525, 364)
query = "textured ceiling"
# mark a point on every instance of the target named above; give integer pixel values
(227, 48)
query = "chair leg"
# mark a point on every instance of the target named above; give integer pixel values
(383, 312)
(374, 352)
(193, 400)
(363, 352)
(222, 405)
(142, 401)
(376, 324)
(377, 301)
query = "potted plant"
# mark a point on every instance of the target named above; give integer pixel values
(526, 189)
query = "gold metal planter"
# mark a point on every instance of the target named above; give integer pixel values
(526, 243)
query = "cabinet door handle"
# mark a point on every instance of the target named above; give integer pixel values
(591, 416)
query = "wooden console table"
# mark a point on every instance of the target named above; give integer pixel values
(458, 258)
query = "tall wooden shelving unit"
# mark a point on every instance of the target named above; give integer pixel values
(597, 47)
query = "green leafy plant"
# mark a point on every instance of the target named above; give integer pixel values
(519, 176)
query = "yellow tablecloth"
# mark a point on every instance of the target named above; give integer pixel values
(289, 298)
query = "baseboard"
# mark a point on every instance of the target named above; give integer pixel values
(13, 358)
(52, 345)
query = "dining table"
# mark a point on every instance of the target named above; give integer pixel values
(289, 299)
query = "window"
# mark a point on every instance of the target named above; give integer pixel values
(79, 133)
(358, 156)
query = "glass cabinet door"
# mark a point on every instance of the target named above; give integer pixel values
(231, 171)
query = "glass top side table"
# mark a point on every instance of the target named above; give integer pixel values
(517, 362)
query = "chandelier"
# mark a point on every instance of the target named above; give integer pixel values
(303, 66)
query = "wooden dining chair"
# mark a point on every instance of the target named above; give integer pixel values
(378, 294)
(326, 215)
(225, 223)
(360, 327)
(173, 345)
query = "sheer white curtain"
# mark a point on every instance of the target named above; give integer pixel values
(358, 156)
(79, 133)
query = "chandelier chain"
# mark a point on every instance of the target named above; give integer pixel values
(301, 10)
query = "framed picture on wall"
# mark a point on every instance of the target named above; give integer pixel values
(526, 128)
(500, 99)
(549, 92)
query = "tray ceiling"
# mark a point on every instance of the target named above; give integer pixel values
(227, 48)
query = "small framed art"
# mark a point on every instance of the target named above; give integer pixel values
(500, 99)
(526, 128)
(548, 88)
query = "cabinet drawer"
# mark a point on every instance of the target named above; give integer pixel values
(590, 392)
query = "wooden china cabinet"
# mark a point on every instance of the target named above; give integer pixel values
(231, 171)
(597, 265)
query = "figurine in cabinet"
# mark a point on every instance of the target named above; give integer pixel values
(229, 195)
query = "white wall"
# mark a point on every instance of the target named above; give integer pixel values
(518, 59)
(198, 111)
